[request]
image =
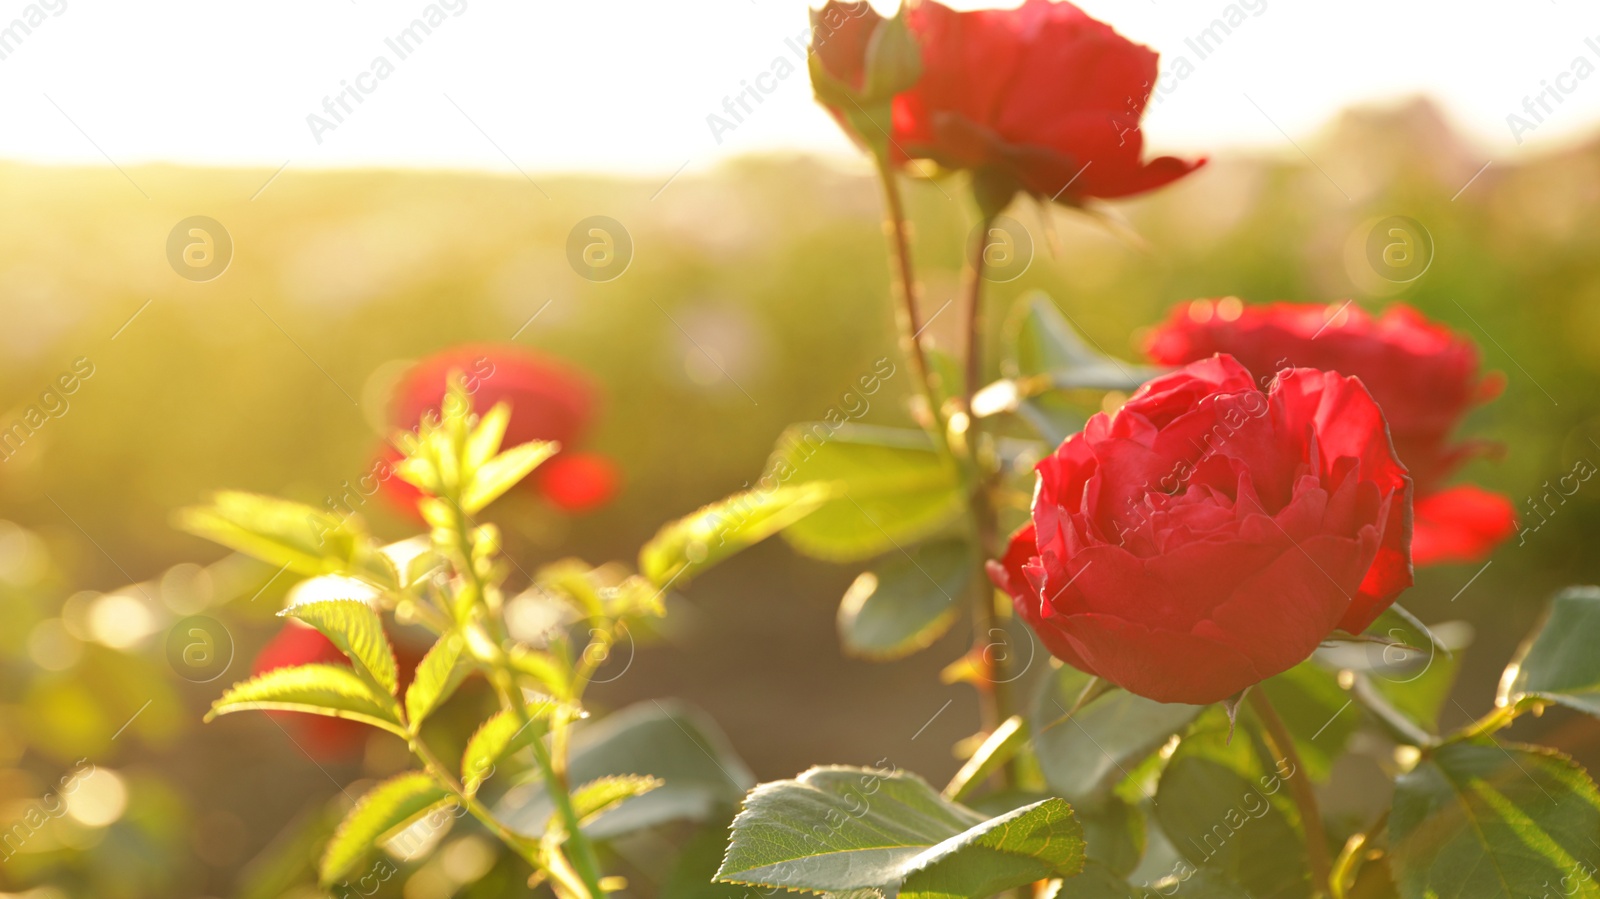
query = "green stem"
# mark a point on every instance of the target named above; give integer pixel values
(974, 311)
(1495, 721)
(580, 851)
(995, 687)
(433, 766)
(1281, 743)
(1348, 865)
(907, 318)
(582, 857)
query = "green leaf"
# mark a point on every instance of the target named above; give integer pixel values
(357, 631)
(672, 742)
(1403, 671)
(1227, 811)
(503, 472)
(1115, 833)
(484, 442)
(1099, 881)
(1085, 755)
(1001, 746)
(1416, 670)
(413, 558)
(1046, 344)
(683, 549)
(886, 488)
(385, 809)
(542, 668)
(1481, 819)
(497, 738)
(599, 796)
(907, 601)
(437, 676)
(1560, 663)
(1052, 416)
(840, 829)
(1032, 843)
(290, 535)
(331, 690)
(693, 875)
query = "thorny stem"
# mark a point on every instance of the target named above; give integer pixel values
(907, 318)
(1282, 745)
(994, 684)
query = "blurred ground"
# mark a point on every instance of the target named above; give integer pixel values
(754, 298)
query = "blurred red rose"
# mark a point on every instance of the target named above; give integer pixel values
(1209, 535)
(548, 399)
(323, 738)
(577, 482)
(1424, 376)
(1041, 98)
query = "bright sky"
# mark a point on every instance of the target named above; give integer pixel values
(627, 85)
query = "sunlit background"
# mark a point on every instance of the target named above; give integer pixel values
(618, 85)
(437, 212)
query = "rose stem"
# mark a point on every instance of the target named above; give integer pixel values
(1282, 744)
(907, 318)
(995, 685)
(504, 678)
(1348, 865)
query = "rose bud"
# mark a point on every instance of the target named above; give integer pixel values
(841, 37)
(548, 400)
(859, 61)
(1041, 99)
(1424, 377)
(1210, 535)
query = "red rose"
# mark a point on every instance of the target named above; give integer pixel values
(549, 401)
(1211, 535)
(1041, 98)
(1424, 376)
(321, 737)
(577, 482)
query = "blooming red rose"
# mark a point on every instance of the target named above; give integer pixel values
(1210, 535)
(1424, 376)
(321, 737)
(1041, 98)
(548, 400)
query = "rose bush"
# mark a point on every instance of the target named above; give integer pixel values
(1212, 534)
(1424, 376)
(1197, 545)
